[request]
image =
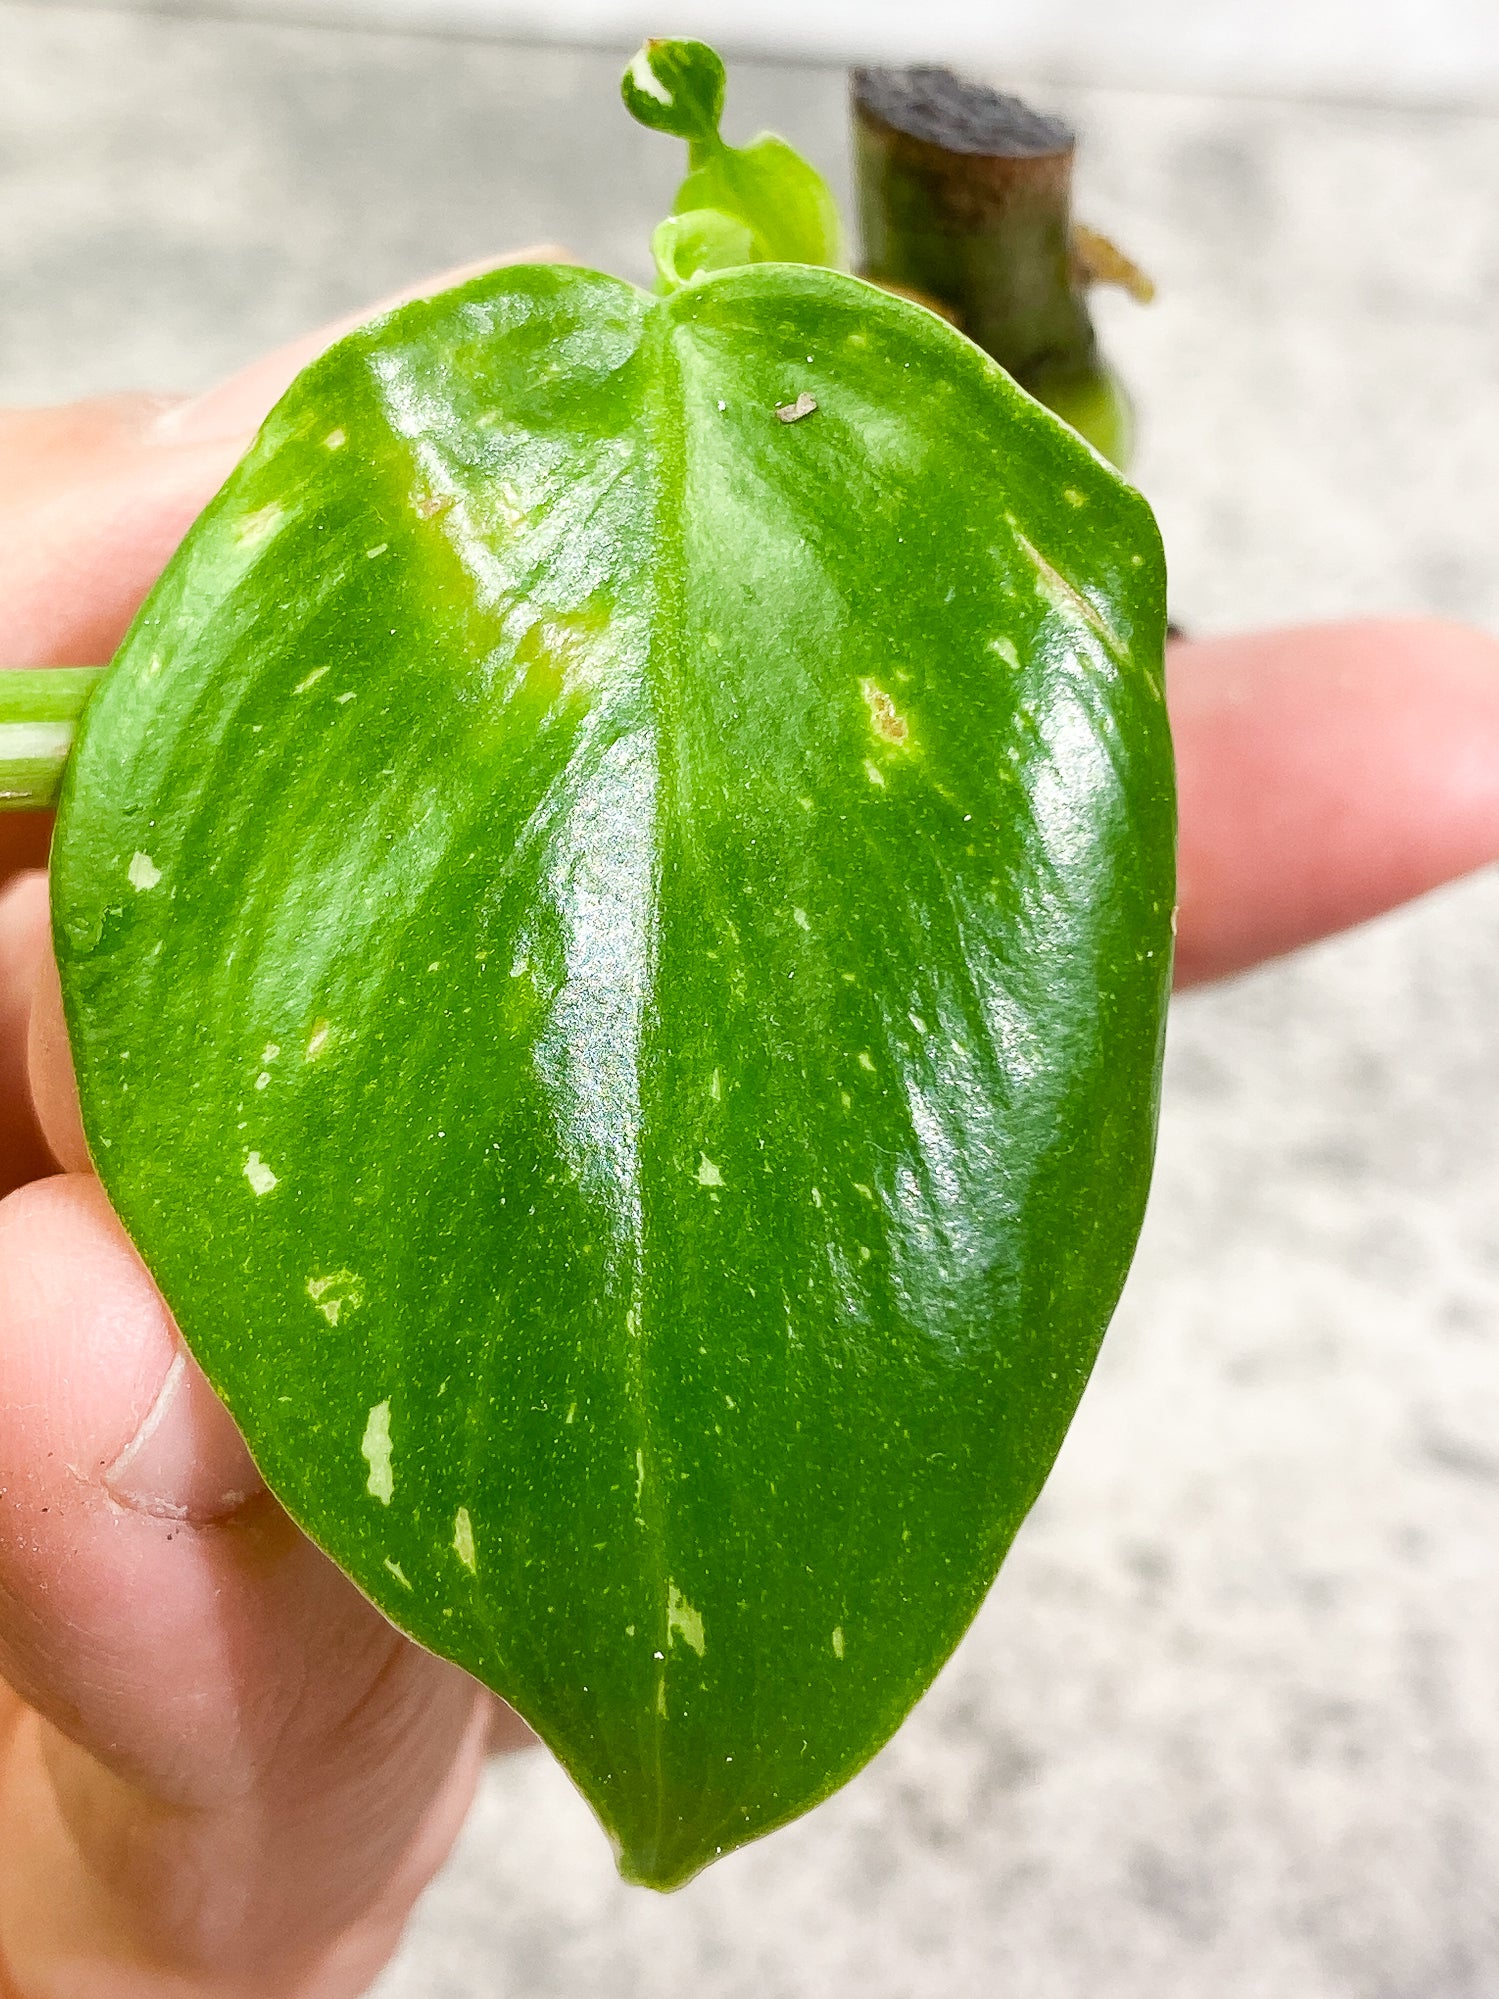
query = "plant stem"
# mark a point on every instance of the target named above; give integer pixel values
(39, 711)
(966, 196)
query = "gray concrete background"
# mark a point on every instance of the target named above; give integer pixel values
(1229, 1723)
(1435, 51)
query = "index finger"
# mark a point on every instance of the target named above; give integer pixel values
(1327, 774)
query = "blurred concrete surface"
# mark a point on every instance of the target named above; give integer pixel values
(1403, 50)
(1229, 1723)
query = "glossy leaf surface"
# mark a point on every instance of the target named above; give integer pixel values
(615, 948)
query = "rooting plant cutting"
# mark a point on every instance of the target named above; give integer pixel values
(615, 916)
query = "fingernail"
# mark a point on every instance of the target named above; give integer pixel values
(187, 1461)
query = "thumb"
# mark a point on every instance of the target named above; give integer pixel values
(95, 496)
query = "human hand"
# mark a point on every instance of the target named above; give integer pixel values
(261, 1823)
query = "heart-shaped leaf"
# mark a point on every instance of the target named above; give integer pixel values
(615, 911)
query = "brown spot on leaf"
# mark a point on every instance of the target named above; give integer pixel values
(885, 718)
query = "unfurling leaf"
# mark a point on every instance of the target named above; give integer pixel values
(766, 187)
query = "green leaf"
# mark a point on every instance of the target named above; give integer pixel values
(615, 945)
(691, 246)
(676, 87)
(783, 203)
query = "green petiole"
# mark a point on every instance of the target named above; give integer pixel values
(39, 713)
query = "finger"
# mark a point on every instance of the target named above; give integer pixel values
(92, 502)
(52, 1086)
(95, 496)
(25, 950)
(213, 1464)
(249, 1770)
(1327, 774)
